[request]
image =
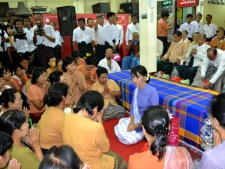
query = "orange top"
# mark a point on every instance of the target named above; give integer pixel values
(81, 61)
(145, 160)
(162, 28)
(50, 127)
(93, 74)
(34, 93)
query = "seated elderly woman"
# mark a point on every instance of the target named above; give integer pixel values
(62, 157)
(5, 147)
(218, 41)
(87, 137)
(28, 153)
(214, 158)
(155, 124)
(50, 124)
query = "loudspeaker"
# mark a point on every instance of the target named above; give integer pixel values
(132, 8)
(4, 7)
(101, 8)
(67, 19)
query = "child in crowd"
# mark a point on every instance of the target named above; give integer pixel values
(18, 79)
(52, 65)
(59, 63)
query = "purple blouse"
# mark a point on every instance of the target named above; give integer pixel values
(148, 96)
(214, 158)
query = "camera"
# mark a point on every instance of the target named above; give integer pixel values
(99, 16)
(39, 30)
(19, 35)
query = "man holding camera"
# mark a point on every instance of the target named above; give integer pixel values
(23, 40)
(44, 38)
(108, 63)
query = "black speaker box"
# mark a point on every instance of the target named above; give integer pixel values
(4, 7)
(67, 19)
(101, 8)
(132, 8)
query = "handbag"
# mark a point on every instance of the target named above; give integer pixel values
(116, 56)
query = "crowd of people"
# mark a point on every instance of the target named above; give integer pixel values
(53, 109)
(196, 53)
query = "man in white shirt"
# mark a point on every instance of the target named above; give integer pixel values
(23, 41)
(195, 57)
(27, 26)
(213, 68)
(44, 39)
(132, 27)
(83, 36)
(198, 25)
(110, 31)
(209, 28)
(190, 28)
(98, 28)
(58, 49)
(108, 63)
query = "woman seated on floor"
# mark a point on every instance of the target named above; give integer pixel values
(11, 100)
(50, 124)
(214, 158)
(36, 93)
(89, 71)
(5, 147)
(87, 137)
(62, 157)
(155, 124)
(28, 153)
(129, 130)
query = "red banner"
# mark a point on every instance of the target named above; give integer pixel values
(187, 3)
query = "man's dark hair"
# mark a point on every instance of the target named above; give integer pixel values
(24, 58)
(189, 15)
(209, 15)
(199, 14)
(134, 15)
(81, 19)
(101, 70)
(109, 14)
(178, 33)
